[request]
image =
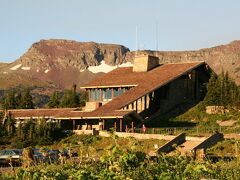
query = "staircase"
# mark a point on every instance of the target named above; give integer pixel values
(189, 145)
(187, 148)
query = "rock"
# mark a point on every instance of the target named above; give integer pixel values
(215, 110)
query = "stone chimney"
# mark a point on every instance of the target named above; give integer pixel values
(144, 63)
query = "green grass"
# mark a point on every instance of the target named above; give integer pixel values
(228, 147)
(198, 116)
(94, 146)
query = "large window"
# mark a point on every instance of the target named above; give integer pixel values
(107, 94)
(115, 92)
(120, 91)
(95, 94)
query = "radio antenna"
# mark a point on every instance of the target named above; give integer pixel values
(136, 40)
(156, 36)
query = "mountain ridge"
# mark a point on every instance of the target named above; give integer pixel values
(59, 63)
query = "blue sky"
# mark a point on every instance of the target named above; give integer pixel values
(182, 24)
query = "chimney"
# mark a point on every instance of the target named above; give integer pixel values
(144, 63)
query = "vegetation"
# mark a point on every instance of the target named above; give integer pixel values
(69, 99)
(28, 133)
(54, 100)
(226, 148)
(121, 163)
(20, 100)
(221, 90)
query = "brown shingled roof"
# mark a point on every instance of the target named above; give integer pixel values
(91, 115)
(61, 113)
(147, 82)
(37, 113)
(123, 76)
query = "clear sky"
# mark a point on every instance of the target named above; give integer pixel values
(182, 24)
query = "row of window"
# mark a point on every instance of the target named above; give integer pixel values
(107, 93)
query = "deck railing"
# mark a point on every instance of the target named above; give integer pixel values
(193, 131)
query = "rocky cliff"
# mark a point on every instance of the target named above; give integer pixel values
(48, 54)
(224, 57)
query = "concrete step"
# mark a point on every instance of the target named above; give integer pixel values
(187, 147)
(192, 144)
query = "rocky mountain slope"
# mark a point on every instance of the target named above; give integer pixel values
(60, 63)
(224, 57)
(57, 64)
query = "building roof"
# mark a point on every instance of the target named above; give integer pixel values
(124, 76)
(147, 82)
(144, 82)
(37, 113)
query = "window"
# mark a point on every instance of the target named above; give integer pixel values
(92, 94)
(107, 94)
(115, 92)
(104, 92)
(95, 94)
(120, 91)
(98, 94)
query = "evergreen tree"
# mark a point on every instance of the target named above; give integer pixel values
(222, 90)
(2, 130)
(9, 100)
(54, 101)
(9, 125)
(19, 102)
(27, 102)
(70, 98)
(20, 134)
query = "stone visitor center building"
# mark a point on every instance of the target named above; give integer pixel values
(127, 96)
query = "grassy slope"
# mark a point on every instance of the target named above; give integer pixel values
(198, 116)
(98, 146)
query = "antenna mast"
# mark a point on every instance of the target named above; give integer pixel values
(156, 36)
(136, 41)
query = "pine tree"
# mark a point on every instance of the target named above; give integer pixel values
(20, 131)
(70, 98)
(222, 90)
(27, 102)
(2, 130)
(9, 100)
(19, 102)
(54, 101)
(10, 125)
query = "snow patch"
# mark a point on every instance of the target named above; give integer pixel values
(25, 68)
(16, 67)
(46, 71)
(105, 68)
